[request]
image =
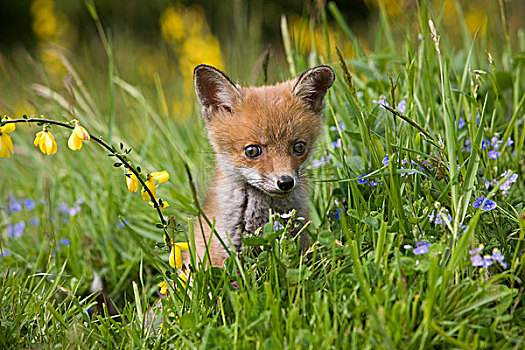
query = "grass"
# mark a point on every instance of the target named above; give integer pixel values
(389, 265)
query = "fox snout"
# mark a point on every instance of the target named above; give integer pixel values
(285, 183)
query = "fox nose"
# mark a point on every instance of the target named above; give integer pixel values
(285, 183)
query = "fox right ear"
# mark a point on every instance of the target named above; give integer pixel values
(215, 91)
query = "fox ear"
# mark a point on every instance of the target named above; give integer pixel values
(312, 86)
(215, 91)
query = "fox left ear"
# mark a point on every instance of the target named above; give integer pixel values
(312, 86)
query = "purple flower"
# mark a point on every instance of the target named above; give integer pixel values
(421, 248)
(334, 128)
(475, 251)
(337, 214)
(29, 204)
(467, 147)
(461, 123)
(386, 161)
(381, 101)
(510, 142)
(316, 163)
(497, 256)
(277, 226)
(494, 154)
(495, 142)
(14, 205)
(336, 144)
(16, 230)
(34, 221)
(478, 202)
(488, 205)
(5, 253)
(360, 179)
(484, 144)
(488, 184)
(373, 183)
(64, 241)
(402, 106)
(477, 260)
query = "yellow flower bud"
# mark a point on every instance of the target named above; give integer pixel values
(45, 140)
(150, 183)
(78, 135)
(132, 181)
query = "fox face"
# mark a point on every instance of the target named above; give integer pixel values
(263, 136)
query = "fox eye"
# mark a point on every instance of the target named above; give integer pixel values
(252, 151)
(299, 148)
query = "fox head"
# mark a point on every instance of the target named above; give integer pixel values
(265, 135)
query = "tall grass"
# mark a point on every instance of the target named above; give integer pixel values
(393, 208)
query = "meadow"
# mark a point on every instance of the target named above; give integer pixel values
(417, 210)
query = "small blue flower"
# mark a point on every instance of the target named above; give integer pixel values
(475, 251)
(386, 161)
(488, 205)
(421, 248)
(477, 260)
(64, 241)
(494, 154)
(484, 144)
(495, 142)
(402, 106)
(277, 226)
(14, 205)
(29, 204)
(334, 128)
(337, 213)
(373, 183)
(120, 224)
(497, 256)
(381, 101)
(510, 142)
(336, 144)
(461, 123)
(34, 221)
(360, 179)
(467, 146)
(478, 202)
(5, 253)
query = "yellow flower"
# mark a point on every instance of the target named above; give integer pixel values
(183, 278)
(164, 205)
(150, 183)
(46, 141)
(6, 145)
(78, 135)
(161, 176)
(176, 256)
(163, 287)
(132, 181)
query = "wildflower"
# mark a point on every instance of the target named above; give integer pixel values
(495, 142)
(336, 144)
(476, 250)
(78, 136)
(176, 255)
(132, 181)
(373, 183)
(16, 230)
(64, 241)
(386, 161)
(29, 204)
(163, 287)
(382, 101)
(183, 277)
(484, 144)
(162, 204)
(488, 184)
(510, 142)
(34, 221)
(150, 184)
(467, 146)
(360, 179)
(46, 141)
(477, 260)
(5, 253)
(14, 205)
(334, 128)
(461, 123)
(161, 176)
(277, 226)
(402, 106)
(120, 224)
(6, 145)
(421, 248)
(407, 246)
(316, 163)
(494, 154)
(488, 205)
(505, 187)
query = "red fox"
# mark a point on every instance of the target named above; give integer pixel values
(262, 138)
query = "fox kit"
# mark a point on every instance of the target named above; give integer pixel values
(262, 138)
